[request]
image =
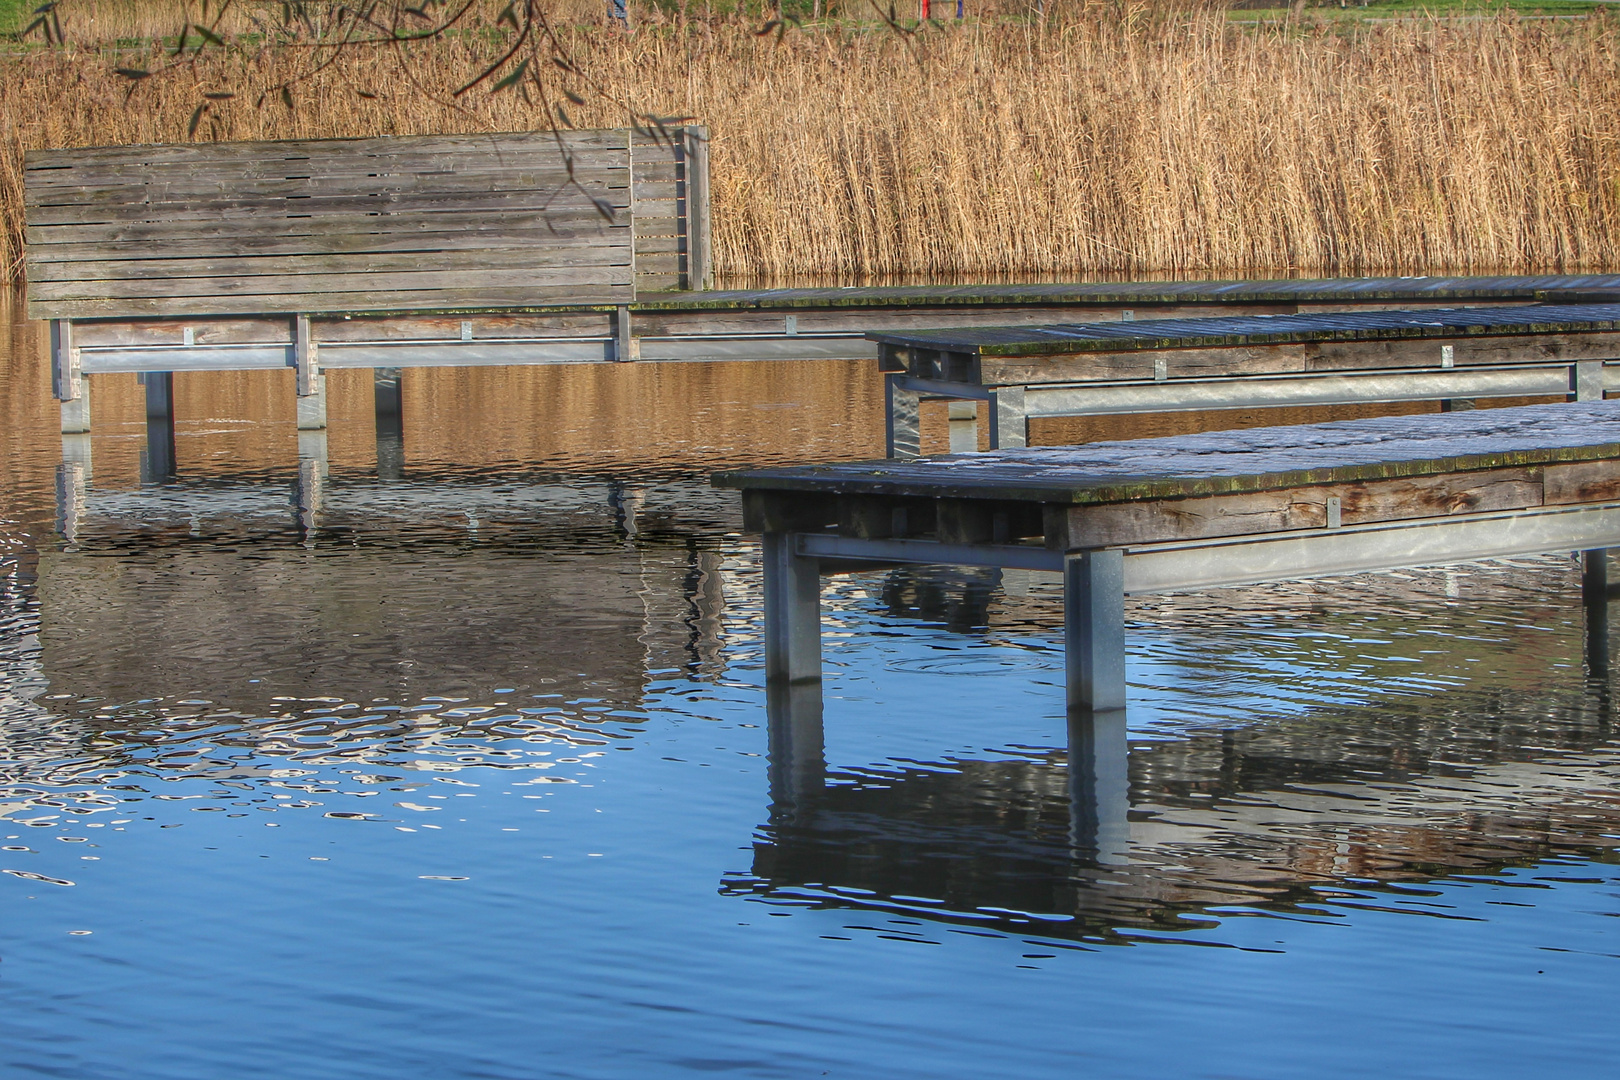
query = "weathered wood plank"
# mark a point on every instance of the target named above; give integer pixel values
(316, 283)
(1230, 462)
(607, 138)
(532, 202)
(118, 275)
(444, 299)
(549, 173)
(136, 172)
(380, 243)
(1360, 503)
(1247, 330)
(331, 231)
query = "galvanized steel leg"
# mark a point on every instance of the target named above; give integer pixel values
(311, 383)
(68, 383)
(1586, 381)
(792, 612)
(1595, 599)
(904, 432)
(1009, 418)
(1099, 786)
(1094, 629)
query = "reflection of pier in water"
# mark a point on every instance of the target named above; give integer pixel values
(1270, 815)
(582, 591)
(1100, 836)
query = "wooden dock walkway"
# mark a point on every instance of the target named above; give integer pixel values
(1192, 512)
(1452, 354)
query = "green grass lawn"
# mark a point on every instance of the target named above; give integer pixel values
(13, 13)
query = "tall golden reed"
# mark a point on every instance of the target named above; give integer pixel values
(1108, 140)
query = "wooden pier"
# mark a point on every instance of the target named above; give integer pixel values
(1455, 355)
(1191, 512)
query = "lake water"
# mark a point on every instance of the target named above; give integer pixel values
(471, 774)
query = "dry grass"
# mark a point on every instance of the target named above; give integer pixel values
(1105, 141)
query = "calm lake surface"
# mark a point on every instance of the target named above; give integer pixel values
(469, 774)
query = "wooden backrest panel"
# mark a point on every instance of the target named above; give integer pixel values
(386, 224)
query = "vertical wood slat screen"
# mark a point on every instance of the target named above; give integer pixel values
(387, 224)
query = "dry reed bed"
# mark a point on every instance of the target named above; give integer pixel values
(1097, 143)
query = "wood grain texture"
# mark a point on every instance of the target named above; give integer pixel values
(335, 225)
(1361, 503)
(1230, 462)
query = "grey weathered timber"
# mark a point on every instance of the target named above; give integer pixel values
(498, 325)
(1451, 354)
(1194, 511)
(133, 231)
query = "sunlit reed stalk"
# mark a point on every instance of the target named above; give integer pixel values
(1102, 140)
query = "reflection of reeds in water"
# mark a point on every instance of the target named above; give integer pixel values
(1103, 140)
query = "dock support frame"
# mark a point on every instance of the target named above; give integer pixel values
(1456, 389)
(1096, 581)
(311, 383)
(792, 611)
(68, 383)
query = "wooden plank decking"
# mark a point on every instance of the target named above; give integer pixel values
(1188, 512)
(1249, 360)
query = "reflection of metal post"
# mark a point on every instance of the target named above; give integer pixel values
(157, 464)
(389, 404)
(312, 472)
(901, 405)
(798, 763)
(1099, 785)
(626, 503)
(792, 612)
(1595, 599)
(1094, 629)
(72, 484)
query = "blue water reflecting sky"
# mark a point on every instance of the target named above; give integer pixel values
(494, 795)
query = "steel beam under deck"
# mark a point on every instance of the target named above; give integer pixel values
(1012, 405)
(1096, 582)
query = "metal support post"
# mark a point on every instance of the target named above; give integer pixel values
(157, 463)
(964, 426)
(1586, 381)
(1009, 418)
(1595, 599)
(626, 346)
(1099, 786)
(792, 611)
(903, 432)
(1094, 629)
(386, 396)
(68, 383)
(311, 383)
